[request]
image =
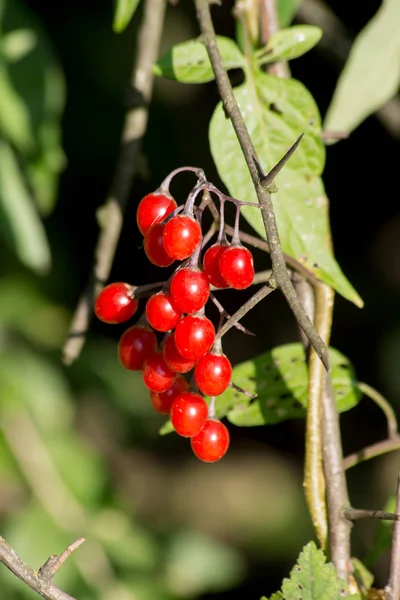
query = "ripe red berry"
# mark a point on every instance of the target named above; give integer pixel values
(189, 290)
(188, 414)
(211, 265)
(212, 442)
(135, 344)
(157, 376)
(154, 247)
(213, 374)
(115, 303)
(182, 235)
(152, 209)
(236, 267)
(160, 313)
(194, 336)
(162, 402)
(174, 360)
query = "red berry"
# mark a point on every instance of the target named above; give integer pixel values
(213, 374)
(174, 360)
(182, 235)
(194, 336)
(135, 344)
(154, 248)
(188, 414)
(236, 267)
(212, 442)
(162, 402)
(115, 303)
(152, 209)
(189, 290)
(211, 265)
(160, 313)
(157, 376)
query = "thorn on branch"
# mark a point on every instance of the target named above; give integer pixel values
(269, 177)
(52, 564)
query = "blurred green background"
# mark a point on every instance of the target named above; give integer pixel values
(80, 453)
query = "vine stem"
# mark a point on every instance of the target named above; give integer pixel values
(264, 198)
(377, 449)
(384, 406)
(111, 213)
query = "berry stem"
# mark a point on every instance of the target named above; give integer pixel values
(143, 291)
(164, 187)
(211, 408)
(236, 228)
(191, 199)
(244, 309)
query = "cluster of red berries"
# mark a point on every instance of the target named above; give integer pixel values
(178, 310)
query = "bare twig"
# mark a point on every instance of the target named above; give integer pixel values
(393, 587)
(226, 315)
(39, 581)
(111, 217)
(383, 447)
(354, 514)
(253, 164)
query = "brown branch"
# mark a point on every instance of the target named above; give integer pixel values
(354, 514)
(39, 581)
(111, 217)
(392, 589)
(264, 198)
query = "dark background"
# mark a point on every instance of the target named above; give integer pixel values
(361, 179)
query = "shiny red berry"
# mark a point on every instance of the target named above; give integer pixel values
(174, 360)
(115, 303)
(189, 290)
(135, 345)
(194, 336)
(211, 265)
(154, 247)
(160, 313)
(188, 414)
(162, 402)
(212, 374)
(212, 442)
(236, 267)
(157, 376)
(152, 209)
(182, 235)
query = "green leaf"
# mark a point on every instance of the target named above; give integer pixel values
(312, 578)
(363, 577)
(19, 220)
(371, 75)
(14, 115)
(287, 10)
(16, 44)
(289, 43)
(276, 112)
(189, 63)
(123, 13)
(280, 380)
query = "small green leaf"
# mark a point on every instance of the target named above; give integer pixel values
(17, 44)
(371, 75)
(276, 112)
(287, 10)
(166, 428)
(189, 63)
(123, 13)
(289, 43)
(19, 220)
(312, 578)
